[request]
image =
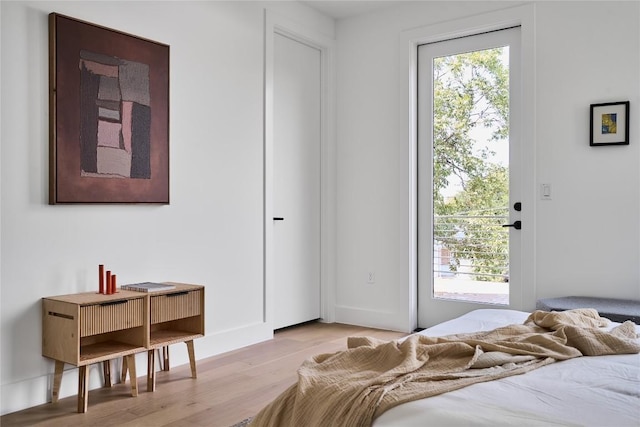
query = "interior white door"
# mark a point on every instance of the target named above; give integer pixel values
(296, 192)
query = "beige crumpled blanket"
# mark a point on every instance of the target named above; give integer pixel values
(352, 387)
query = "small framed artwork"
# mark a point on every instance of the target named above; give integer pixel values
(108, 115)
(609, 124)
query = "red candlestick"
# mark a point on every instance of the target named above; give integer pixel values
(108, 282)
(101, 278)
(113, 284)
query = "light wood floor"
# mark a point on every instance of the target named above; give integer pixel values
(230, 387)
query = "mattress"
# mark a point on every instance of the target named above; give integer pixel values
(584, 391)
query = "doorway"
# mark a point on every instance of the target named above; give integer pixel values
(469, 174)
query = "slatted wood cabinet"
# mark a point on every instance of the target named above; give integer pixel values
(85, 328)
(176, 316)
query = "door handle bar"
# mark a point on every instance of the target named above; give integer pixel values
(516, 224)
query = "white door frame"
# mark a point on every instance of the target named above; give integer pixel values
(523, 16)
(275, 24)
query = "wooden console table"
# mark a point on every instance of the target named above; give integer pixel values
(81, 329)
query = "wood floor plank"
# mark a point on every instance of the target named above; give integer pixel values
(230, 387)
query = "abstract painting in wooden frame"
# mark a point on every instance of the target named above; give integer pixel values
(109, 115)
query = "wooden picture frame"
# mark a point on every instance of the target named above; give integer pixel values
(108, 115)
(609, 124)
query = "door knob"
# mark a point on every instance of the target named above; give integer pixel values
(516, 224)
(278, 218)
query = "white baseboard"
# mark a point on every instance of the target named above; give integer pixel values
(370, 318)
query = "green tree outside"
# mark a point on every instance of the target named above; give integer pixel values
(471, 91)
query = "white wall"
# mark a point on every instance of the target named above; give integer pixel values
(587, 237)
(210, 234)
(588, 241)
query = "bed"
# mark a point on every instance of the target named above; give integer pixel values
(586, 391)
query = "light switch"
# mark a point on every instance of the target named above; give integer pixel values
(545, 191)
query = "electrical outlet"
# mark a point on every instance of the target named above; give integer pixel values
(371, 277)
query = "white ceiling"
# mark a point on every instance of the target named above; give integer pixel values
(340, 9)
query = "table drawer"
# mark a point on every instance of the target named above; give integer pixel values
(173, 306)
(111, 316)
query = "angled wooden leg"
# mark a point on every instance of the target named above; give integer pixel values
(83, 393)
(192, 358)
(106, 370)
(57, 380)
(123, 374)
(165, 358)
(151, 370)
(131, 365)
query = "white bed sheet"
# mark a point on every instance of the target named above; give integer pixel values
(597, 391)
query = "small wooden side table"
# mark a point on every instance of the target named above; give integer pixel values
(86, 328)
(176, 316)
